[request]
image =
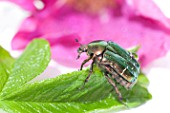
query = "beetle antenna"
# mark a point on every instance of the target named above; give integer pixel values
(78, 56)
(77, 41)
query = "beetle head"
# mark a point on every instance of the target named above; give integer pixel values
(81, 49)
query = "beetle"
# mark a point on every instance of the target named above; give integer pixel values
(113, 60)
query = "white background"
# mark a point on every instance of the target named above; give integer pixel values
(158, 71)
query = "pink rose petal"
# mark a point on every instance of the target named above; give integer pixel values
(148, 9)
(62, 26)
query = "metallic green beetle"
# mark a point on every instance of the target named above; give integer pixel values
(114, 61)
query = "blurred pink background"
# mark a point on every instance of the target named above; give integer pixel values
(157, 70)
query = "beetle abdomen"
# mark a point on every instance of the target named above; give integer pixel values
(115, 75)
(119, 68)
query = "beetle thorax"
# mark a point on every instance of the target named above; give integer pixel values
(96, 48)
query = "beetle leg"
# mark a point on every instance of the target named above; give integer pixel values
(90, 72)
(102, 55)
(115, 87)
(85, 61)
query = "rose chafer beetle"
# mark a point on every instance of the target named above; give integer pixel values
(114, 61)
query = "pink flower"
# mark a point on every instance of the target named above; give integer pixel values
(126, 22)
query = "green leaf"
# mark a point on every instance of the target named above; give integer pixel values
(134, 49)
(31, 63)
(3, 76)
(143, 80)
(63, 93)
(55, 95)
(6, 62)
(6, 59)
